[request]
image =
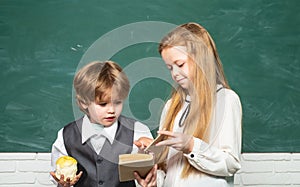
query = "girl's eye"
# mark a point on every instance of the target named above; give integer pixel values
(180, 65)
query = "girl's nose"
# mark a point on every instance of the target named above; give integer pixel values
(175, 71)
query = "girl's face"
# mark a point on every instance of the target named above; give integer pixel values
(178, 63)
(106, 112)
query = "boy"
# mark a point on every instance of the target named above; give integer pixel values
(98, 138)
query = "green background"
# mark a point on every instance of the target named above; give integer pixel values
(42, 43)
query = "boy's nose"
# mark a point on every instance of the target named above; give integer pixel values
(111, 109)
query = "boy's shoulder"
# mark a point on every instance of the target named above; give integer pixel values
(123, 118)
(131, 123)
(76, 123)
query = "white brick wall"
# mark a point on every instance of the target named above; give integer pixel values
(25, 170)
(269, 170)
(258, 170)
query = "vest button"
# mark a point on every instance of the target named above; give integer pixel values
(99, 160)
(101, 182)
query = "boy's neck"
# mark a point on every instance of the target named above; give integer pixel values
(97, 126)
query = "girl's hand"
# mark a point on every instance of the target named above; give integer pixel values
(179, 141)
(143, 142)
(150, 180)
(68, 182)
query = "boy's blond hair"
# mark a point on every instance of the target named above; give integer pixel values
(100, 81)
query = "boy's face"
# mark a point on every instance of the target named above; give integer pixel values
(105, 112)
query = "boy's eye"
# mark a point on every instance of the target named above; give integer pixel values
(102, 104)
(117, 102)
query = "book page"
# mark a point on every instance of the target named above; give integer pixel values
(156, 150)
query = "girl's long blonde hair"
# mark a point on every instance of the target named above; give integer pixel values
(206, 71)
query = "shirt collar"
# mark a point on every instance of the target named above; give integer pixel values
(188, 98)
(89, 130)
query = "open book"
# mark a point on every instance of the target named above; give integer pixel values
(140, 162)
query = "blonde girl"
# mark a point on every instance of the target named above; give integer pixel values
(202, 119)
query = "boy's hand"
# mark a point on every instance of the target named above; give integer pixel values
(143, 142)
(150, 180)
(68, 182)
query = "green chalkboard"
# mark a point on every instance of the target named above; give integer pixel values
(43, 43)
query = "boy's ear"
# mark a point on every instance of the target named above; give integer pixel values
(83, 105)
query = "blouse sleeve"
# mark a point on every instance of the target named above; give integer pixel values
(58, 150)
(221, 157)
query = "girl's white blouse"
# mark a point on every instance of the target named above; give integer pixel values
(218, 160)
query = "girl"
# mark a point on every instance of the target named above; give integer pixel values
(203, 116)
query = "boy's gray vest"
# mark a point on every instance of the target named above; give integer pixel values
(99, 170)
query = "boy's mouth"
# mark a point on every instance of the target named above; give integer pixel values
(111, 118)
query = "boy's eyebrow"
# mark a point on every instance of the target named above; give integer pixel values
(118, 99)
(109, 99)
(103, 100)
(105, 97)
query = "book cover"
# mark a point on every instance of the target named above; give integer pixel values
(140, 162)
(128, 163)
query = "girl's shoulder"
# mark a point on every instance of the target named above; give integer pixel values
(228, 93)
(167, 105)
(230, 98)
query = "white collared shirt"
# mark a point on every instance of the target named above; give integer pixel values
(97, 135)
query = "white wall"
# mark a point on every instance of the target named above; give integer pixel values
(258, 170)
(269, 170)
